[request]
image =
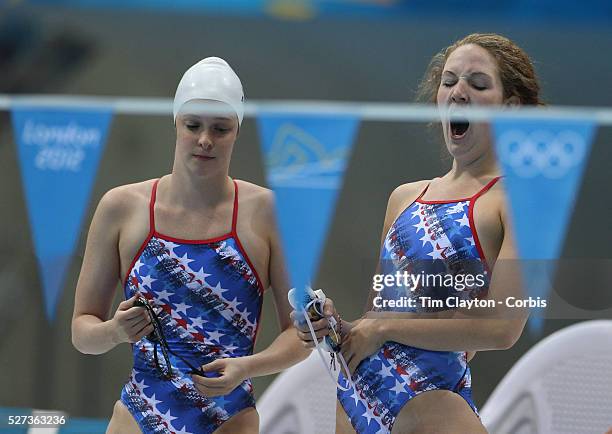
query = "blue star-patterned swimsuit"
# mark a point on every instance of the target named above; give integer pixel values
(208, 298)
(429, 238)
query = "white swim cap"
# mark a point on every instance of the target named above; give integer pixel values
(213, 79)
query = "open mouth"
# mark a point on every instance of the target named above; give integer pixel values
(459, 128)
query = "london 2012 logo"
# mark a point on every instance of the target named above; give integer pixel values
(541, 152)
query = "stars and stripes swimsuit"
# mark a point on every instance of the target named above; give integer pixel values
(208, 297)
(429, 238)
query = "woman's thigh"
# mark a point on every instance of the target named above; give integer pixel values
(438, 412)
(244, 422)
(122, 421)
(343, 424)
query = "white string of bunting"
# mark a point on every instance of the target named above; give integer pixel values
(365, 111)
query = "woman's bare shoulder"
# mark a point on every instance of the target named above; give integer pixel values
(407, 192)
(251, 192)
(495, 198)
(251, 188)
(123, 198)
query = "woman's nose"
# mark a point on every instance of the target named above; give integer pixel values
(459, 94)
(205, 141)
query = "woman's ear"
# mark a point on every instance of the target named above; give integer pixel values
(513, 101)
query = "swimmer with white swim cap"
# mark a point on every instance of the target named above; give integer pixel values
(195, 250)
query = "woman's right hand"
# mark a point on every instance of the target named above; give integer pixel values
(321, 326)
(130, 323)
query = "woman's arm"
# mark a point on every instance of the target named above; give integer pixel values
(92, 331)
(286, 349)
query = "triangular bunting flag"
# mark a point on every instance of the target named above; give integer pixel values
(543, 162)
(59, 151)
(305, 158)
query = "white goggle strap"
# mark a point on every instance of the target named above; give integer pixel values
(320, 351)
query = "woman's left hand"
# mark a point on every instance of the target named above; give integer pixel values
(363, 340)
(232, 372)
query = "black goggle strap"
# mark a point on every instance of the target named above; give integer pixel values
(161, 338)
(193, 370)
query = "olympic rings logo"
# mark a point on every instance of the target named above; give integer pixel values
(541, 152)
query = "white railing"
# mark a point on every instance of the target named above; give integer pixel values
(366, 111)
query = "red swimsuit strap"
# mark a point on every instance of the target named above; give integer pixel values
(235, 211)
(152, 207)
